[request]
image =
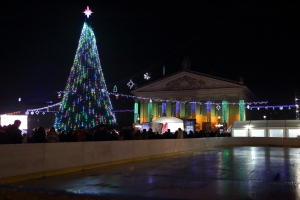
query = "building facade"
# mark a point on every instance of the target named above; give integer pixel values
(207, 101)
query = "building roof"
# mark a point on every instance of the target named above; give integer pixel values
(195, 85)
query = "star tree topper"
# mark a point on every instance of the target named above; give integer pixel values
(87, 12)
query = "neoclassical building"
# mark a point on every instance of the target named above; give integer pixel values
(200, 100)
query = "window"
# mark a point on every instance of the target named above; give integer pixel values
(276, 132)
(258, 133)
(293, 133)
(239, 133)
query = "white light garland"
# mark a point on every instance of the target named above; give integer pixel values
(168, 100)
(248, 105)
(37, 110)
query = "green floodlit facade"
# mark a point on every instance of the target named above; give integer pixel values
(150, 111)
(224, 111)
(242, 110)
(86, 101)
(136, 113)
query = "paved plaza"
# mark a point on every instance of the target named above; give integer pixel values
(220, 173)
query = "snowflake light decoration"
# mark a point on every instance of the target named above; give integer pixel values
(147, 76)
(130, 84)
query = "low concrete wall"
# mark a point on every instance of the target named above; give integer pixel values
(26, 161)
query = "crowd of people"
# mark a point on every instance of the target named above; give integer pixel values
(11, 134)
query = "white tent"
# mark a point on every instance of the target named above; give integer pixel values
(172, 123)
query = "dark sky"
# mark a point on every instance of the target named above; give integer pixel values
(256, 40)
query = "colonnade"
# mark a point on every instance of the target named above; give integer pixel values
(206, 113)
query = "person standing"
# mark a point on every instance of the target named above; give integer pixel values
(180, 134)
(39, 135)
(52, 135)
(81, 135)
(13, 133)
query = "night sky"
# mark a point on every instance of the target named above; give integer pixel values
(256, 40)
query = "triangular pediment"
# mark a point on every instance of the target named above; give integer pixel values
(186, 80)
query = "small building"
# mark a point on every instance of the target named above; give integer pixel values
(203, 101)
(266, 128)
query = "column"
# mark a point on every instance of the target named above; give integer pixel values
(193, 109)
(150, 111)
(164, 109)
(224, 111)
(178, 109)
(136, 112)
(242, 110)
(208, 116)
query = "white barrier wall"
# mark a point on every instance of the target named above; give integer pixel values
(26, 161)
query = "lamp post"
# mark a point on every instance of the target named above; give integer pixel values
(264, 117)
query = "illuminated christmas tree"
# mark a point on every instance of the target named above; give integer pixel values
(86, 101)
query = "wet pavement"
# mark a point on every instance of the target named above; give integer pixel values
(220, 173)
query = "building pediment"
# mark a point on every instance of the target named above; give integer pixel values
(187, 81)
(184, 83)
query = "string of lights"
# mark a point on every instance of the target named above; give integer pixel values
(199, 102)
(45, 109)
(117, 95)
(280, 107)
(248, 105)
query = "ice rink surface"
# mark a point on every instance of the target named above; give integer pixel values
(233, 173)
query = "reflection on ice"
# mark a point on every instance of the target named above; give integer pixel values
(219, 173)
